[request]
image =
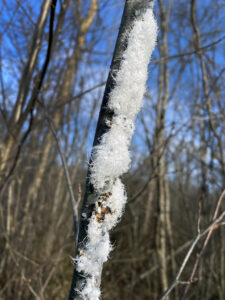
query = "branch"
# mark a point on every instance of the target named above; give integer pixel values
(66, 171)
(35, 94)
(80, 95)
(199, 255)
(214, 225)
(196, 50)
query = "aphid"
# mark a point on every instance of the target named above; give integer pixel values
(81, 251)
(100, 218)
(107, 194)
(98, 206)
(84, 215)
(106, 210)
(100, 214)
(108, 123)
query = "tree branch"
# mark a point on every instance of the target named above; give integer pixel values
(35, 94)
(216, 222)
(66, 171)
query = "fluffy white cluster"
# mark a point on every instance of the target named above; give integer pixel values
(98, 246)
(111, 158)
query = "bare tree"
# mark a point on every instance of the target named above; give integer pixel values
(176, 153)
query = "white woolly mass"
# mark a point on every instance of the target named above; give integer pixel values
(111, 158)
(98, 246)
(126, 97)
(116, 203)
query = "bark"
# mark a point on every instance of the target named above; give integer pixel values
(162, 190)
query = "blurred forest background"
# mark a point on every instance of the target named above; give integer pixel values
(178, 151)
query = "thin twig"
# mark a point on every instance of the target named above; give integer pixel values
(166, 58)
(35, 93)
(199, 255)
(200, 211)
(209, 230)
(66, 171)
(78, 96)
(157, 266)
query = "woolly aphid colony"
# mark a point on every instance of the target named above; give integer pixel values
(111, 158)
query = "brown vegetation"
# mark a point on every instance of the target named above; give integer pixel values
(178, 169)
